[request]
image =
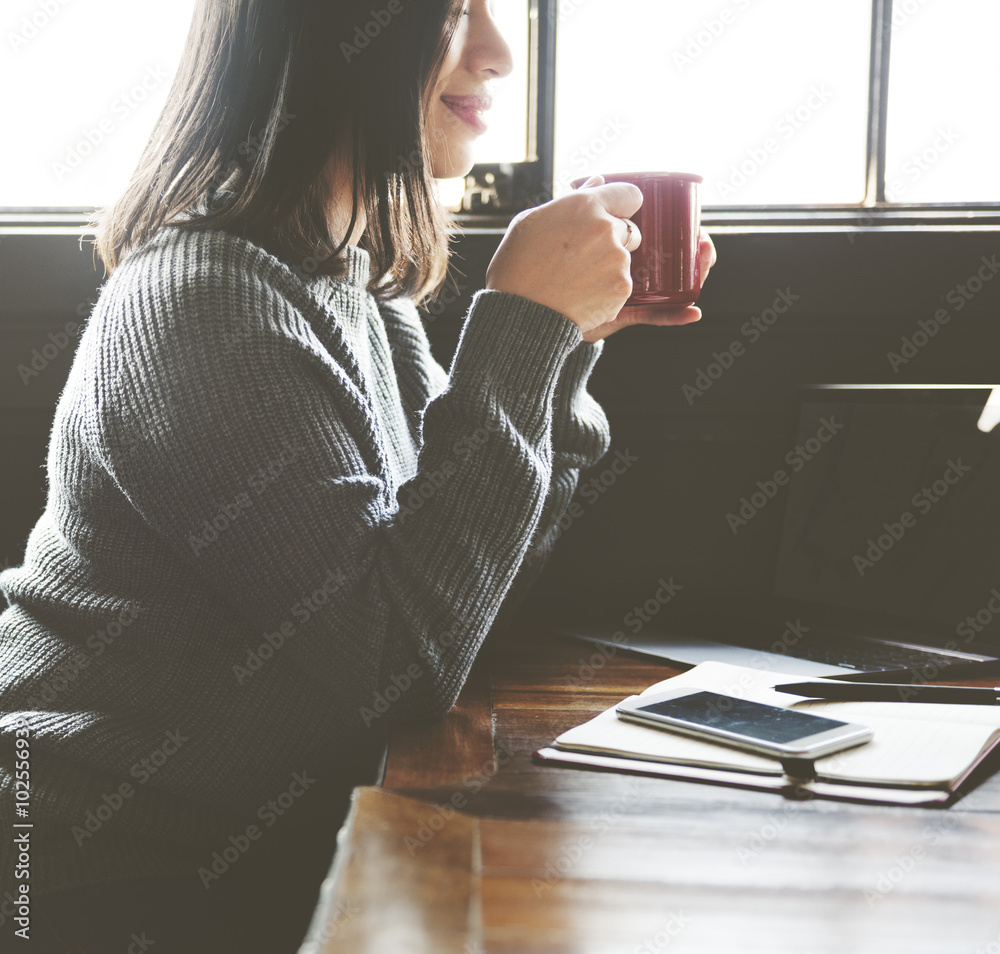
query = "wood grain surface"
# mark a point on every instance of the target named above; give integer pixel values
(471, 847)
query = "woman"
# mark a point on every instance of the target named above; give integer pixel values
(275, 525)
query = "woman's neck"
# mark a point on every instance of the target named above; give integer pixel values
(339, 206)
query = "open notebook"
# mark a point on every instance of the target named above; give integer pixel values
(920, 754)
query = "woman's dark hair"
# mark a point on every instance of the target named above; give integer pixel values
(267, 91)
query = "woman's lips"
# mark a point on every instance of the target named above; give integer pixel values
(469, 109)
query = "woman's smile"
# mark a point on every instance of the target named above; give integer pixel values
(469, 109)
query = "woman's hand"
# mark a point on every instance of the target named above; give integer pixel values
(659, 314)
(570, 254)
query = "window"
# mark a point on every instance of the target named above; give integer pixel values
(780, 102)
(767, 99)
(775, 102)
(943, 137)
(88, 80)
(93, 76)
(508, 135)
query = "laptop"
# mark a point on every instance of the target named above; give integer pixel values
(890, 542)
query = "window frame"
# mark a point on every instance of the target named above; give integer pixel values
(534, 179)
(525, 184)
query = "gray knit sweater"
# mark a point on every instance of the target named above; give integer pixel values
(275, 526)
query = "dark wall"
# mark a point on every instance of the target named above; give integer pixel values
(47, 286)
(849, 297)
(694, 454)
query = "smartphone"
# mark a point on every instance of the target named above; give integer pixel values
(752, 726)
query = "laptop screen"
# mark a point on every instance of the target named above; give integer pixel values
(893, 507)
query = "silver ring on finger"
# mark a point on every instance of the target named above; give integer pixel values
(630, 230)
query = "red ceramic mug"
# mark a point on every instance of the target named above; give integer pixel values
(666, 267)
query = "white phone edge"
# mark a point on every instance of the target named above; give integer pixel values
(827, 742)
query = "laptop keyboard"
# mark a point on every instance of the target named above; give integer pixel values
(867, 655)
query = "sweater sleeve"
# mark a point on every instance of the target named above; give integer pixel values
(580, 438)
(274, 443)
(580, 430)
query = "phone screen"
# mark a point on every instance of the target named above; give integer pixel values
(768, 723)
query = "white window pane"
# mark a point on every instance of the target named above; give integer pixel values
(943, 137)
(84, 85)
(506, 140)
(767, 99)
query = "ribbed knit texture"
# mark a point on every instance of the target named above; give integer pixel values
(241, 453)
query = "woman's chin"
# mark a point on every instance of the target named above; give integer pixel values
(453, 162)
(451, 170)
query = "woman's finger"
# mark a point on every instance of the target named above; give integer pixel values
(660, 314)
(706, 239)
(645, 315)
(706, 253)
(620, 199)
(633, 237)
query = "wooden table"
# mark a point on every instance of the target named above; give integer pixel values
(468, 846)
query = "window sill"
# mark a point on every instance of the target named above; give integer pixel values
(944, 218)
(947, 218)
